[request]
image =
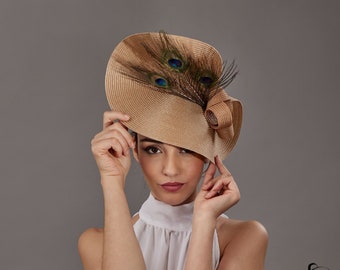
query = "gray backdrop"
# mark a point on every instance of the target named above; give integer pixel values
(52, 64)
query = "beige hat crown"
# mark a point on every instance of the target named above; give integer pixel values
(172, 88)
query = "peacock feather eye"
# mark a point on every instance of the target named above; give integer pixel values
(159, 81)
(175, 63)
(174, 60)
(206, 80)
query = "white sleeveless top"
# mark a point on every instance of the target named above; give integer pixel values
(164, 231)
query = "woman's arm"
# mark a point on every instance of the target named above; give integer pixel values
(120, 248)
(199, 254)
(243, 243)
(217, 195)
(117, 246)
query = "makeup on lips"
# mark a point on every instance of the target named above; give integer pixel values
(172, 186)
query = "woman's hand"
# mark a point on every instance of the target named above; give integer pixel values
(111, 146)
(217, 194)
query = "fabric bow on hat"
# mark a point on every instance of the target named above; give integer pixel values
(219, 114)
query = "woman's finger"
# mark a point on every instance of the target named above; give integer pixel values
(110, 117)
(121, 139)
(124, 131)
(209, 175)
(219, 187)
(126, 135)
(106, 146)
(116, 126)
(221, 168)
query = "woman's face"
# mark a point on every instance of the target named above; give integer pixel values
(172, 173)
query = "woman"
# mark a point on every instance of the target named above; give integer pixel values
(168, 90)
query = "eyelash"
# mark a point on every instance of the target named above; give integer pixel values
(151, 150)
(186, 151)
(155, 150)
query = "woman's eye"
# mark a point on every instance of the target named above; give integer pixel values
(185, 151)
(152, 150)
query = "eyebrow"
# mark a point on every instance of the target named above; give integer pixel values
(150, 140)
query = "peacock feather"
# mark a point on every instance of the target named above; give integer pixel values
(165, 64)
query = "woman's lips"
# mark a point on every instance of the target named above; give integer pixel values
(172, 186)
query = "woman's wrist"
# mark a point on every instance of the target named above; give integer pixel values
(201, 243)
(206, 221)
(112, 182)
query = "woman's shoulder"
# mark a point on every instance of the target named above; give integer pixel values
(228, 228)
(226, 225)
(247, 238)
(94, 236)
(91, 235)
(90, 245)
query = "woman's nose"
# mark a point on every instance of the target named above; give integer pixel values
(171, 165)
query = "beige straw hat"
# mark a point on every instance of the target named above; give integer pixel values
(172, 88)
